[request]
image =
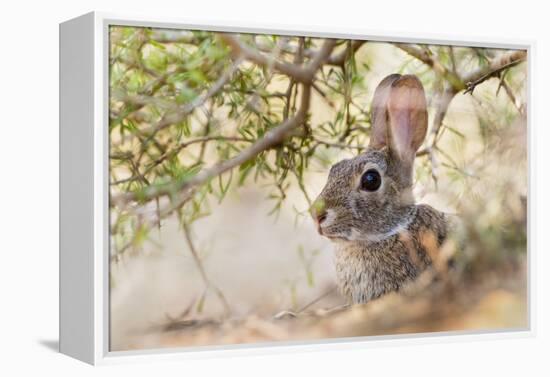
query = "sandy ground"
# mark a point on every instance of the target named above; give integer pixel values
(429, 307)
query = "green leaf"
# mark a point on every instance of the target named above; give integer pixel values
(157, 44)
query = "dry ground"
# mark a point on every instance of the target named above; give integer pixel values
(431, 304)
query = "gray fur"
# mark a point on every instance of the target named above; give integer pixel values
(380, 235)
(367, 270)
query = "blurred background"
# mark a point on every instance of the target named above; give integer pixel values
(211, 241)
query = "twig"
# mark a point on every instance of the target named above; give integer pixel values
(180, 114)
(298, 58)
(445, 99)
(272, 138)
(297, 72)
(456, 84)
(423, 55)
(510, 95)
(323, 95)
(495, 67)
(340, 58)
(338, 145)
(336, 59)
(208, 284)
(200, 140)
(316, 300)
(453, 59)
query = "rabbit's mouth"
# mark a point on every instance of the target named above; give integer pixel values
(336, 238)
(331, 236)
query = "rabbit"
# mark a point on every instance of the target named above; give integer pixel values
(382, 238)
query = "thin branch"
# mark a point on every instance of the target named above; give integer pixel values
(316, 300)
(457, 83)
(297, 72)
(511, 95)
(272, 138)
(182, 112)
(336, 90)
(424, 56)
(337, 59)
(445, 99)
(340, 58)
(303, 188)
(323, 95)
(178, 148)
(453, 59)
(304, 74)
(338, 145)
(497, 65)
(208, 284)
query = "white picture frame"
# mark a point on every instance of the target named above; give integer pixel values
(84, 238)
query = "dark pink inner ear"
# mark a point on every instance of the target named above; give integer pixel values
(407, 116)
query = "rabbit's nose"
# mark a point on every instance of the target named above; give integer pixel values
(321, 217)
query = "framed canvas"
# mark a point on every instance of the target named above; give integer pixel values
(230, 188)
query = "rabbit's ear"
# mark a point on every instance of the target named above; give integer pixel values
(407, 116)
(379, 121)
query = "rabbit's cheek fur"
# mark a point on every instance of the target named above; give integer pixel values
(335, 226)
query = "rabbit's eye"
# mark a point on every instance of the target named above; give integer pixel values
(371, 180)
